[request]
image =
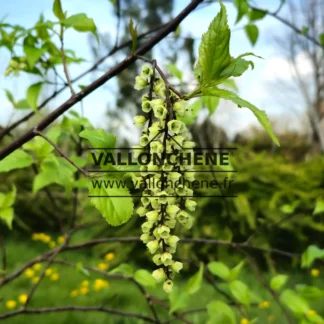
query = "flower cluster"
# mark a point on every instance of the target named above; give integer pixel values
(11, 303)
(104, 266)
(47, 239)
(163, 206)
(84, 287)
(33, 273)
(16, 65)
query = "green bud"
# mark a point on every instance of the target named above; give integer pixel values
(190, 176)
(156, 103)
(153, 246)
(160, 112)
(172, 240)
(159, 275)
(145, 201)
(145, 238)
(140, 83)
(190, 204)
(141, 211)
(146, 107)
(157, 259)
(166, 258)
(155, 203)
(159, 88)
(188, 145)
(180, 107)
(182, 217)
(168, 286)
(164, 231)
(156, 147)
(145, 97)
(147, 71)
(146, 227)
(139, 121)
(172, 210)
(176, 126)
(144, 140)
(176, 266)
(163, 197)
(174, 176)
(152, 216)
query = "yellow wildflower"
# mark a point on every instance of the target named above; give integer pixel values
(45, 238)
(84, 283)
(35, 236)
(264, 304)
(60, 240)
(311, 312)
(315, 272)
(29, 272)
(37, 266)
(35, 280)
(22, 298)
(102, 266)
(109, 256)
(244, 321)
(100, 284)
(84, 290)
(48, 272)
(51, 244)
(74, 293)
(10, 304)
(55, 276)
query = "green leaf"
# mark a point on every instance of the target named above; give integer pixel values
(242, 9)
(309, 292)
(321, 38)
(115, 204)
(319, 207)
(214, 54)
(240, 292)
(133, 32)
(33, 55)
(99, 138)
(8, 199)
(211, 103)
(236, 271)
(22, 104)
(16, 160)
(175, 71)
(310, 255)
(81, 23)
(220, 313)
(219, 269)
(278, 282)
(10, 97)
(178, 300)
(294, 302)
(7, 215)
(44, 179)
(230, 83)
(57, 10)
(194, 283)
(259, 114)
(252, 32)
(124, 269)
(257, 14)
(144, 278)
(33, 93)
(82, 270)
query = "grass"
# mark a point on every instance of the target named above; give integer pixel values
(120, 294)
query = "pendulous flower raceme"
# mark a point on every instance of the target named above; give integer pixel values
(170, 203)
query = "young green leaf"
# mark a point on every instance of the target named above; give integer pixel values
(257, 14)
(211, 103)
(99, 138)
(33, 55)
(219, 269)
(309, 292)
(214, 54)
(80, 268)
(175, 71)
(57, 10)
(115, 204)
(242, 9)
(16, 160)
(241, 292)
(310, 255)
(319, 207)
(81, 23)
(252, 32)
(144, 278)
(124, 269)
(278, 282)
(10, 97)
(133, 32)
(8, 199)
(194, 283)
(236, 271)
(178, 300)
(7, 215)
(220, 313)
(33, 94)
(259, 114)
(44, 179)
(22, 104)
(295, 303)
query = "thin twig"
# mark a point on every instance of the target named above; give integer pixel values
(85, 173)
(4, 256)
